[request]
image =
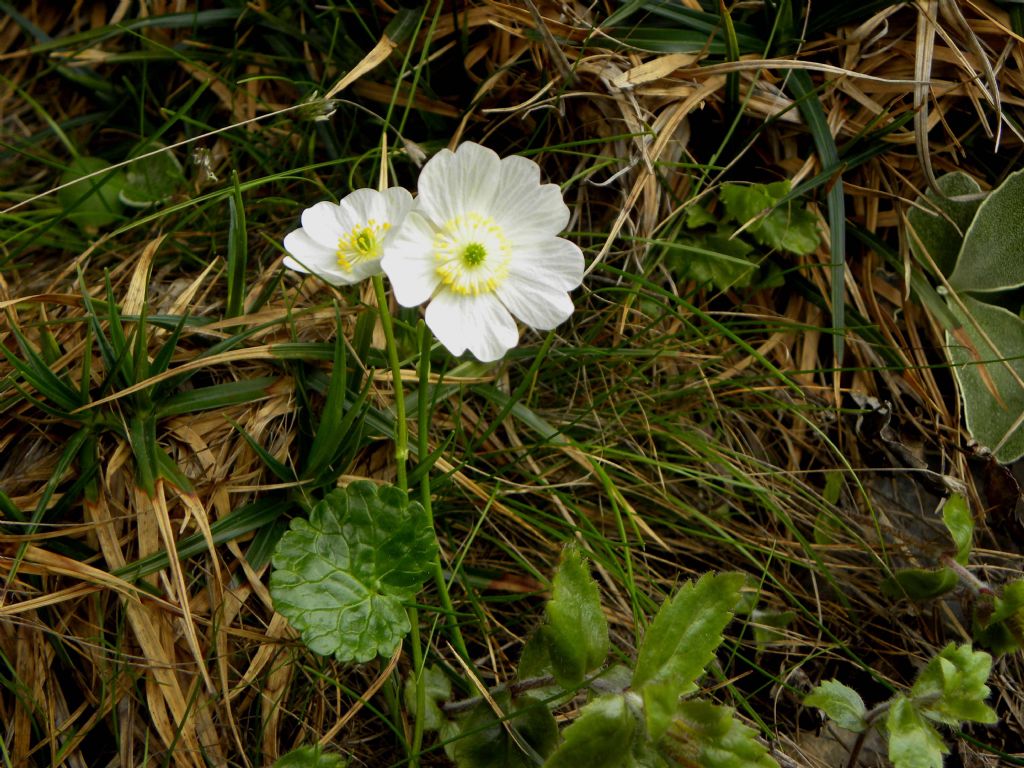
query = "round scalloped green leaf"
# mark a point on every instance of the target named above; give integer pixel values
(92, 203)
(989, 376)
(151, 180)
(990, 258)
(341, 577)
(938, 224)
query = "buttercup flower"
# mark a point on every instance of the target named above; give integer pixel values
(482, 245)
(343, 244)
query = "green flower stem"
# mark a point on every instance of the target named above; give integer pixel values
(423, 420)
(401, 428)
(401, 457)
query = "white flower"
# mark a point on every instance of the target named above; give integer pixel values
(343, 244)
(482, 245)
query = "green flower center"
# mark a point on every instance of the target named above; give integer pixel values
(362, 243)
(472, 254)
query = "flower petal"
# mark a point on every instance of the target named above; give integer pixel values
(477, 323)
(408, 261)
(305, 254)
(553, 260)
(522, 204)
(537, 303)
(322, 223)
(397, 204)
(455, 183)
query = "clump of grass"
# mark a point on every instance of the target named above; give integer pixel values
(165, 383)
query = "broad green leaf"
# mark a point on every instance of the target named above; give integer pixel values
(151, 180)
(840, 703)
(341, 577)
(919, 584)
(680, 643)
(601, 737)
(697, 216)
(576, 632)
(913, 741)
(534, 660)
(310, 757)
(787, 227)
(93, 202)
(989, 376)
(938, 224)
(990, 255)
(957, 517)
(485, 742)
(951, 688)
(709, 736)
(438, 688)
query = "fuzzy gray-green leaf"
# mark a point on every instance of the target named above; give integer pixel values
(937, 225)
(988, 355)
(990, 258)
(341, 577)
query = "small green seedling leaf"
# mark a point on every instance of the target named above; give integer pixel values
(919, 584)
(989, 258)
(576, 632)
(91, 203)
(839, 703)
(310, 757)
(680, 643)
(438, 688)
(153, 179)
(913, 741)
(999, 619)
(485, 742)
(788, 227)
(710, 736)
(717, 259)
(988, 358)
(938, 224)
(601, 737)
(341, 577)
(952, 689)
(957, 517)
(768, 626)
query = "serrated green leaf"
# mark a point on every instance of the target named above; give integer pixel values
(919, 583)
(938, 224)
(688, 628)
(697, 216)
(952, 689)
(310, 757)
(576, 632)
(1009, 602)
(484, 742)
(93, 202)
(913, 741)
(680, 643)
(840, 703)
(989, 375)
(341, 577)
(709, 736)
(716, 259)
(960, 524)
(151, 180)
(989, 258)
(438, 688)
(601, 737)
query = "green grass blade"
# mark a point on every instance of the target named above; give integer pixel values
(238, 251)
